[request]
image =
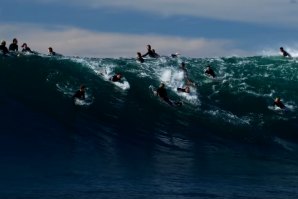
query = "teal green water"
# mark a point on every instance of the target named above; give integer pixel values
(227, 140)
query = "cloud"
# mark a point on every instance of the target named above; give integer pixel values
(80, 42)
(255, 11)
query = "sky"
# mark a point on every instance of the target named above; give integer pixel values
(120, 28)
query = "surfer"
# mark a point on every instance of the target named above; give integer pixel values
(162, 93)
(140, 58)
(185, 89)
(80, 94)
(26, 48)
(51, 52)
(174, 55)
(14, 45)
(155, 54)
(209, 71)
(150, 52)
(284, 53)
(116, 78)
(278, 103)
(3, 47)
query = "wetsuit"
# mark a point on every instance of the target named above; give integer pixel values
(4, 49)
(162, 93)
(13, 47)
(279, 104)
(80, 94)
(151, 54)
(286, 54)
(115, 78)
(140, 59)
(210, 72)
(27, 49)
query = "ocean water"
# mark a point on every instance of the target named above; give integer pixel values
(227, 140)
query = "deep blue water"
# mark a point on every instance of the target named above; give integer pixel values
(226, 141)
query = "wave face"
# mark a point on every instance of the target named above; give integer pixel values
(124, 140)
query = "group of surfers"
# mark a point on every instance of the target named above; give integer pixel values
(161, 91)
(13, 47)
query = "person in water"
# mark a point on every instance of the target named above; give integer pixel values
(116, 78)
(3, 47)
(14, 45)
(162, 93)
(80, 94)
(26, 48)
(150, 52)
(284, 53)
(185, 89)
(174, 55)
(155, 54)
(140, 58)
(210, 72)
(51, 51)
(278, 103)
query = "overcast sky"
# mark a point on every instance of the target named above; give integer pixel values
(120, 28)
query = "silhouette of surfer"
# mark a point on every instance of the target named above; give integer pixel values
(162, 93)
(80, 94)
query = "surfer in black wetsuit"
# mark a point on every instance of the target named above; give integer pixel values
(174, 55)
(51, 52)
(3, 47)
(278, 103)
(209, 71)
(185, 89)
(162, 93)
(14, 45)
(116, 78)
(155, 54)
(26, 48)
(150, 52)
(140, 58)
(80, 94)
(284, 53)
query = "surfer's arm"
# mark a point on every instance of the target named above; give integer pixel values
(145, 54)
